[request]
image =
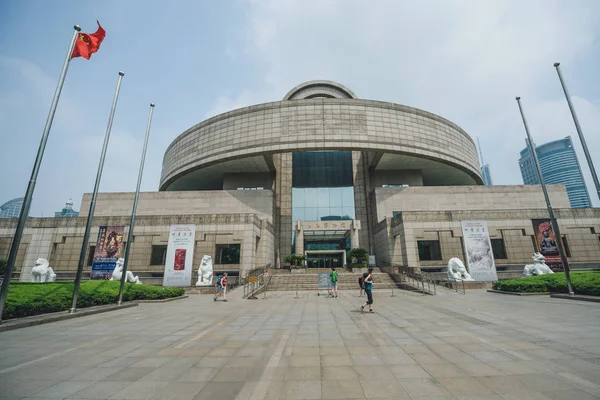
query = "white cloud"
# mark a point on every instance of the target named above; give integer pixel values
(464, 60)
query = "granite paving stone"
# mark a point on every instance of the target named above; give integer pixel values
(450, 346)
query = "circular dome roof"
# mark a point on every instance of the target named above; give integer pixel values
(320, 89)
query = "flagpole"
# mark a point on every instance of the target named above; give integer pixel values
(579, 130)
(555, 228)
(86, 235)
(14, 248)
(133, 211)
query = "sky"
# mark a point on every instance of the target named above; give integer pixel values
(465, 60)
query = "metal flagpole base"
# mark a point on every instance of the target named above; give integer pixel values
(72, 310)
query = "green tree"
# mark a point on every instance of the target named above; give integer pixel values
(358, 254)
(300, 258)
(294, 260)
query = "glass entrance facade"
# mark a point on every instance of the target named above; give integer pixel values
(323, 190)
(322, 186)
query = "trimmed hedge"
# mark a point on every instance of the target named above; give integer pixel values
(27, 299)
(583, 283)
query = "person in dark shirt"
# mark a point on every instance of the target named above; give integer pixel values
(368, 288)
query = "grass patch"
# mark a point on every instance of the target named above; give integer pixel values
(26, 299)
(583, 283)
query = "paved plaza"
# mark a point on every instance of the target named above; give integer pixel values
(450, 346)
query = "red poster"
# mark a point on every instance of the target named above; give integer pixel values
(545, 241)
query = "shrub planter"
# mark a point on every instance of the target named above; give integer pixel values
(584, 283)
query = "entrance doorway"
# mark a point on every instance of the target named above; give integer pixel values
(325, 258)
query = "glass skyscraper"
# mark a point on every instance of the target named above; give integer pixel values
(559, 165)
(12, 208)
(486, 174)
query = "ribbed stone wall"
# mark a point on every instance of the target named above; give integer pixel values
(320, 124)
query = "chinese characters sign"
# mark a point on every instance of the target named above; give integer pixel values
(480, 257)
(180, 256)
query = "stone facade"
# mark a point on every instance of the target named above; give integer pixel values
(415, 176)
(195, 202)
(320, 124)
(397, 237)
(59, 240)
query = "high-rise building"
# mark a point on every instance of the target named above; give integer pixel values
(12, 208)
(486, 173)
(67, 211)
(559, 165)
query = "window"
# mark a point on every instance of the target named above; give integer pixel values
(159, 255)
(90, 258)
(566, 246)
(498, 249)
(227, 254)
(429, 250)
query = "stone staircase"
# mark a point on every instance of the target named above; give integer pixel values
(346, 281)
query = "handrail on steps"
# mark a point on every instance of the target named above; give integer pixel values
(407, 275)
(254, 281)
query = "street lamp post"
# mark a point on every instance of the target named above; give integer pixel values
(555, 228)
(588, 157)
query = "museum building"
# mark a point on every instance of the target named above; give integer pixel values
(317, 173)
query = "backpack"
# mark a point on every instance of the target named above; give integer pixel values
(334, 276)
(219, 280)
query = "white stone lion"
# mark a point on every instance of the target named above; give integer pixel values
(42, 271)
(205, 272)
(457, 270)
(118, 271)
(538, 267)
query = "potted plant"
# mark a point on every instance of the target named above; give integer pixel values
(298, 262)
(357, 257)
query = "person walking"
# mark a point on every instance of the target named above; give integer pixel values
(222, 287)
(333, 276)
(368, 289)
(361, 283)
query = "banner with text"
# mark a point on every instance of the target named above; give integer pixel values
(180, 256)
(480, 257)
(545, 241)
(107, 252)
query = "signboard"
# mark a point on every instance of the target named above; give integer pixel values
(107, 252)
(480, 257)
(545, 241)
(324, 280)
(328, 225)
(253, 278)
(372, 262)
(180, 256)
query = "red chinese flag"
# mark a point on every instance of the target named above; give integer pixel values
(87, 44)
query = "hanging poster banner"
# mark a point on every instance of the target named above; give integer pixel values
(107, 252)
(480, 257)
(180, 256)
(545, 241)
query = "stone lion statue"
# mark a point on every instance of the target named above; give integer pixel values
(457, 270)
(538, 267)
(205, 272)
(118, 271)
(42, 271)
